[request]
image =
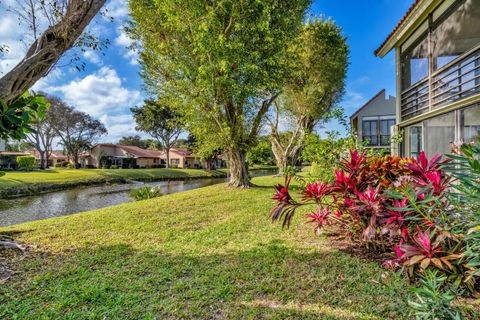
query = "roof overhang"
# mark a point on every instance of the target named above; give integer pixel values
(416, 14)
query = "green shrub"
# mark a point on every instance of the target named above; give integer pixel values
(26, 163)
(144, 193)
(2, 173)
(433, 300)
(114, 166)
(70, 166)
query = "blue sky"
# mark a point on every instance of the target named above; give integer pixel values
(110, 84)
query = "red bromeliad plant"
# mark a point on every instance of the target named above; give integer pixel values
(395, 202)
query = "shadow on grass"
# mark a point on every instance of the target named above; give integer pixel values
(268, 281)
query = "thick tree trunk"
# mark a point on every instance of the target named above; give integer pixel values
(45, 52)
(238, 169)
(167, 152)
(42, 159)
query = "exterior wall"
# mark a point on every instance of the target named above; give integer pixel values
(147, 162)
(381, 107)
(426, 121)
(2, 145)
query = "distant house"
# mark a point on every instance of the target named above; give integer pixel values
(3, 145)
(8, 160)
(119, 155)
(134, 157)
(437, 53)
(55, 159)
(184, 158)
(373, 121)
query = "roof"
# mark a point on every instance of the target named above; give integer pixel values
(13, 153)
(133, 150)
(399, 24)
(139, 152)
(382, 92)
(53, 155)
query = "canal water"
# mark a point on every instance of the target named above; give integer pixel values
(61, 203)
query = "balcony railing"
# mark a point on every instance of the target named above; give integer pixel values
(457, 80)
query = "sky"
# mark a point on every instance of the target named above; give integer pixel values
(110, 84)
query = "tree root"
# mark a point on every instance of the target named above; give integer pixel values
(8, 243)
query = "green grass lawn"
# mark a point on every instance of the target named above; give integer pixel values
(209, 253)
(32, 182)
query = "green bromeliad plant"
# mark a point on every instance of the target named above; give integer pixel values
(145, 193)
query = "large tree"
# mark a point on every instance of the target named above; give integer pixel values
(318, 63)
(160, 121)
(64, 21)
(222, 61)
(77, 130)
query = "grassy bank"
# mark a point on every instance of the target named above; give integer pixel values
(23, 183)
(205, 253)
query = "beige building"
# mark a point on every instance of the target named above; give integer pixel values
(437, 52)
(107, 155)
(56, 158)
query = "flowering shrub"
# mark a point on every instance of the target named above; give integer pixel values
(397, 204)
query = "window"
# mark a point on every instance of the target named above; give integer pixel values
(439, 134)
(385, 126)
(414, 62)
(369, 132)
(470, 124)
(174, 161)
(376, 132)
(415, 141)
(456, 32)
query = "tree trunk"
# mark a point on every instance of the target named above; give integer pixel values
(280, 156)
(167, 151)
(42, 159)
(238, 169)
(45, 52)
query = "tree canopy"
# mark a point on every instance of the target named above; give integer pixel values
(159, 120)
(222, 62)
(318, 60)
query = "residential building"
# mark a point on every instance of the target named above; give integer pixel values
(3, 145)
(135, 157)
(119, 155)
(8, 159)
(437, 52)
(56, 158)
(372, 122)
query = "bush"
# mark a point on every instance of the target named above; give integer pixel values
(70, 166)
(114, 166)
(26, 163)
(144, 193)
(433, 299)
(393, 204)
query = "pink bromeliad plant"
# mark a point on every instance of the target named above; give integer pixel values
(393, 203)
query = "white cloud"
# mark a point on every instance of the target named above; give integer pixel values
(93, 57)
(117, 9)
(119, 126)
(11, 35)
(100, 93)
(124, 41)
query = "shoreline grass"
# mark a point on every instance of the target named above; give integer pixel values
(204, 253)
(17, 183)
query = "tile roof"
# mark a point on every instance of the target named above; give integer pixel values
(399, 24)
